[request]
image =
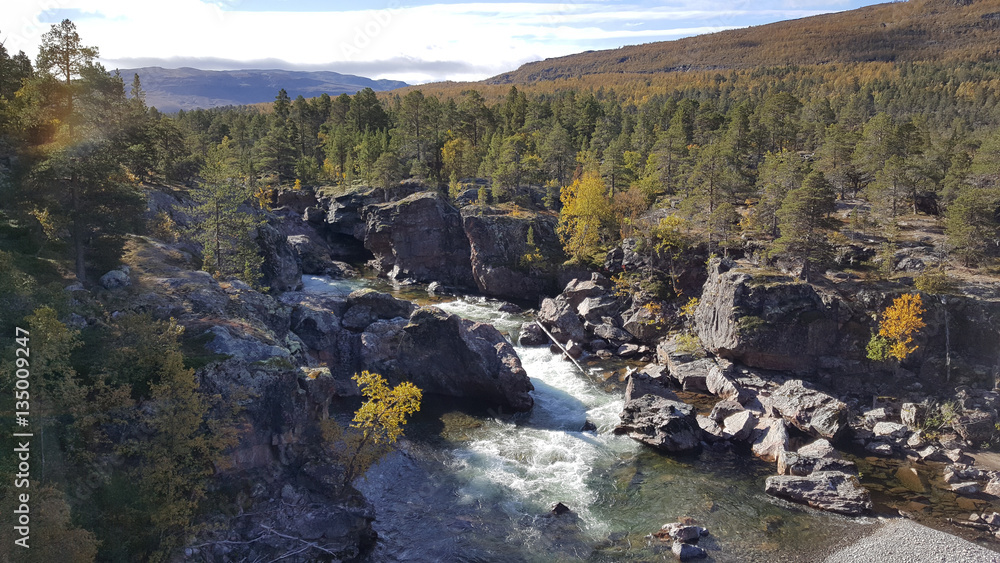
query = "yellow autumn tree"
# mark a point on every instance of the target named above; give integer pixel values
(376, 425)
(900, 321)
(585, 218)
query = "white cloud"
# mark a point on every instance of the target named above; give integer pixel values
(492, 37)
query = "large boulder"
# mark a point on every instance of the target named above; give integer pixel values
(312, 255)
(827, 490)
(769, 439)
(662, 423)
(444, 354)
(811, 411)
(281, 270)
(498, 242)
(419, 237)
(560, 316)
(645, 383)
(766, 322)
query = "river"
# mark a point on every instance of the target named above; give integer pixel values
(473, 485)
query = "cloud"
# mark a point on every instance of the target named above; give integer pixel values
(415, 43)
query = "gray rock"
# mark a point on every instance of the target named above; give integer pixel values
(559, 316)
(913, 414)
(966, 488)
(793, 463)
(242, 347)
(811, 411)
(690, 373)
(879, 448)
(976, 427)
(447, 355)
(687, 552)
(115, 279)
(711, 429)
(594, 309)
(890, 429)
(498, 241)
(723, 409)
(826, 490)
(662, 423)
(281, 270)
(627, 350)
(532, 335)
(821, 448)
(641, 383)
(739, 426)
(770, 438)
(721, 384)
(616, 336)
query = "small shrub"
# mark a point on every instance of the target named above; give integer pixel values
(688, 343)
(935, 282)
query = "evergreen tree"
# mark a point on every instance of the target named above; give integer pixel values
(227, 217)
(804, 222)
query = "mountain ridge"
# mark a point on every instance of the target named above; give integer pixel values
(188, 88)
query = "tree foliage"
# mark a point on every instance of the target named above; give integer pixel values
(900, 321)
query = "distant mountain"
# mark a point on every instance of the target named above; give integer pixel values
(918, 30)
(188, 88)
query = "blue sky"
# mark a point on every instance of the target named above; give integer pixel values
(412, 40)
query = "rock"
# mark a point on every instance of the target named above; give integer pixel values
(958, 456)
(687, 552)
(770, 438)
(826, 490)
(874, 416)
(444, 354)
(532, 335)
(930, 453)
(573, 349)
(821, 448)
(913, 414)
(879, 448)
(498, 241)
(242, 347)
(976, 427)
(641, 383)
(614, 335)
(739, 426)
(712, 432)
(722, 385)
(281, 270)
(578, 289)
(115, 279)
(381, 305)
(723, 409)
(312, 256)
(662, 423)
(890, 429)
(627, 350)
(678, 531)
(643, 324)
(794, 463)
(811, 411)
(992, 488)
(691, 373)
(966, 488)
(559, 509)
(420, 237)
(777, 323)
(559, 316)
(595, 309)
(588, 426)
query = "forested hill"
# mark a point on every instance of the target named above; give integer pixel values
(170, 90)
(918, 30)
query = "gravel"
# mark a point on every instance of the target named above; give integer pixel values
(905, 541)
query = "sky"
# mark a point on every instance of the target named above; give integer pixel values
(416, 41)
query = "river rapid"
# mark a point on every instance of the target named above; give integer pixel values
(470, 484)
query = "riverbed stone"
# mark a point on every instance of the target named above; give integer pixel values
(890, 429)
(721, 383)
(687, 551)
(711, 429)
(770, 438)
(738, 426)
(723, 409)
(661, 423)
(641, 383)
(827, 490)
(811, 411)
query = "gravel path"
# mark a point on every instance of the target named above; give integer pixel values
(905, 541)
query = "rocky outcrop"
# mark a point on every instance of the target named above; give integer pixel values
(769, 322)
(498, 241)
(662, 423)
(444, 354)
(419, 237)
(281, 270)
(826, 490)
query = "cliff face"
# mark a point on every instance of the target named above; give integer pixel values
(775, 322)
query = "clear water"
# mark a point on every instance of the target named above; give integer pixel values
(471, 484)
(474, 485)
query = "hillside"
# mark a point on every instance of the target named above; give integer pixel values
(187, 88)
(919, 30)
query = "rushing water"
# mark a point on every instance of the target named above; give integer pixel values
(470, 484)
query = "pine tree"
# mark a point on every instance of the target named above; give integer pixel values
(804, 222)
(227, 217)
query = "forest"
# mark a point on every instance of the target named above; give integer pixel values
(751, 161)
